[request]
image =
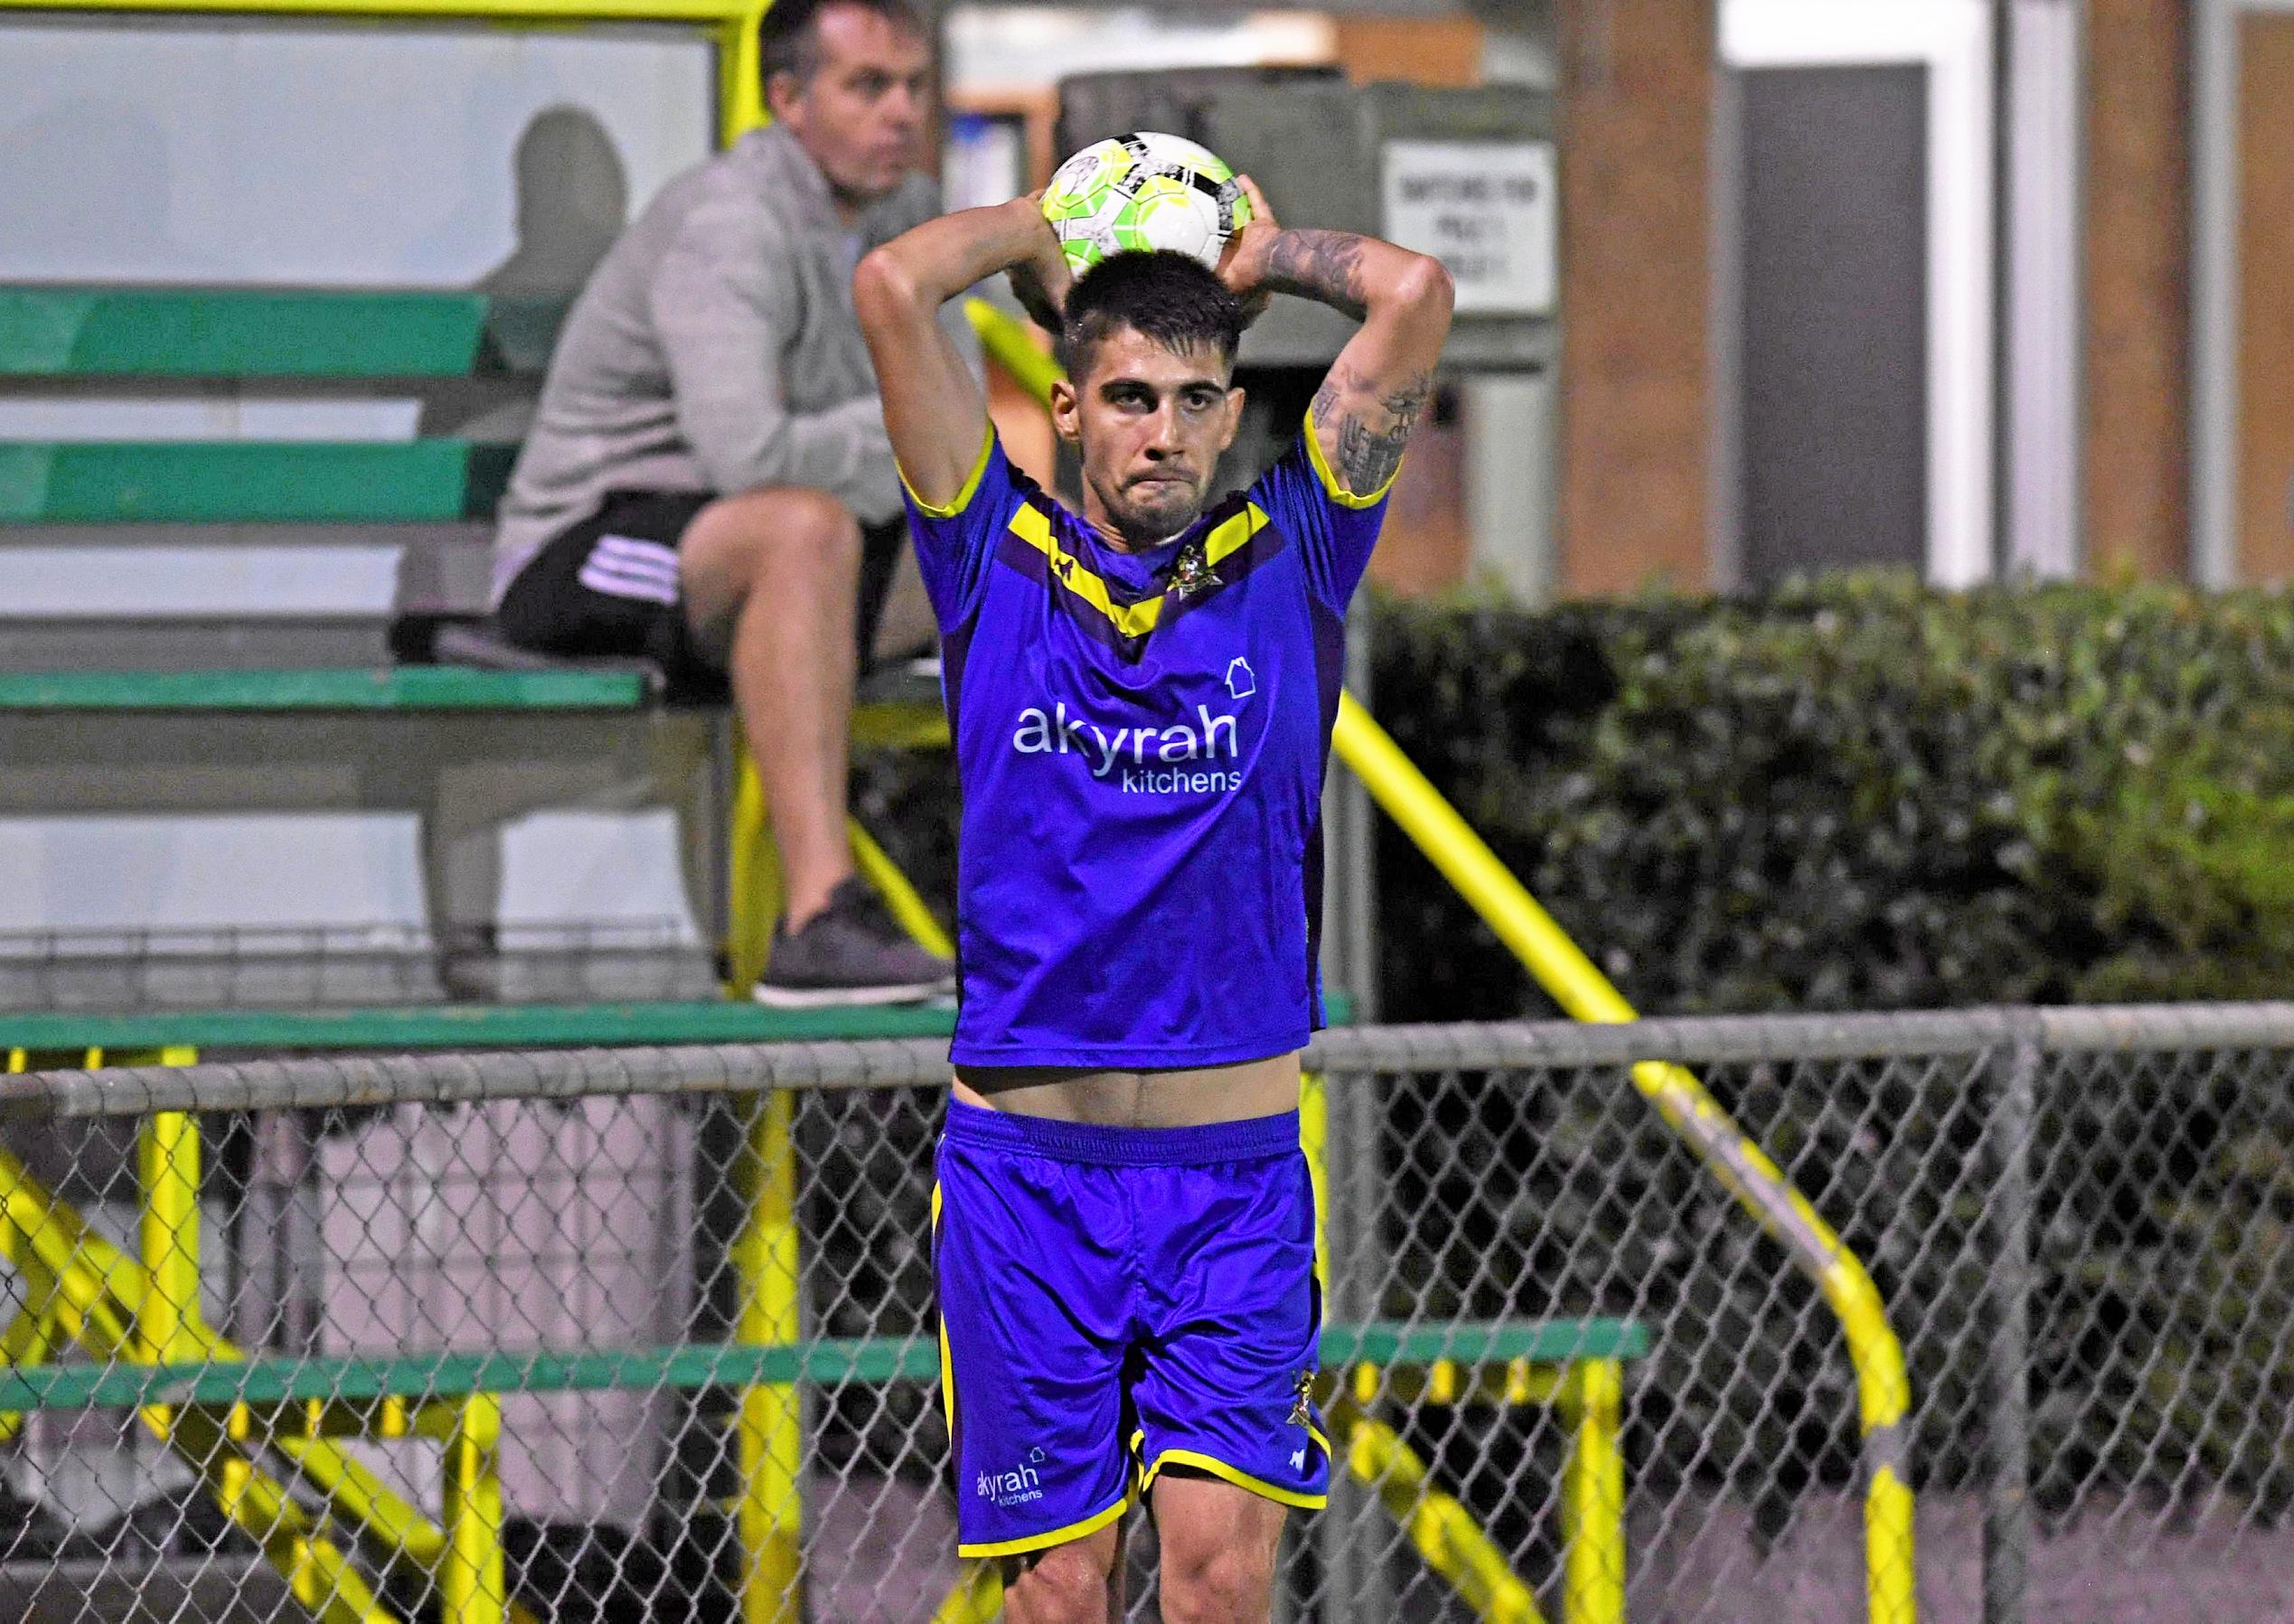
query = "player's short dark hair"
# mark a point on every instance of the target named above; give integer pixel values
(1173, 299)
(788, 39)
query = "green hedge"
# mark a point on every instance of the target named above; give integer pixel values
(1856, 792)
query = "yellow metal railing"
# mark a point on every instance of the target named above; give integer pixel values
(1560, 967)
(81, 1288)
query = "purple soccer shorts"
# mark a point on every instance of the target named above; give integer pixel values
(1115, 1301)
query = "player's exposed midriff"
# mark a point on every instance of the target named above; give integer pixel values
(1178, 1097)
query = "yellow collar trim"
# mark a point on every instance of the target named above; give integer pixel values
(1032, 525)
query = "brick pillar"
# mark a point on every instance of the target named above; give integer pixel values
(2136, 482)
(1636, 113)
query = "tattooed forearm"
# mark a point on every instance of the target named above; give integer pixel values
(1367, 429)
(1326, 266)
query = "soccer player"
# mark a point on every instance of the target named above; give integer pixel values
(1142, 696)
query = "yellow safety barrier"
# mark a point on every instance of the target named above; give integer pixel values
(1593, 1492)
(1441, 1531)
(96, 1295)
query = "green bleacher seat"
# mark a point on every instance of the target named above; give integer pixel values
(250, 482)
(62, 332)
(464, 1026)
(373, 343)
(407, 688)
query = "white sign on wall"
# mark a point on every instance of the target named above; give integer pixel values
(1487, 210)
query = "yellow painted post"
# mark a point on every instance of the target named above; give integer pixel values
(769, 1431)
(1593, 1494)
(740, 88)
(473, 1585)
(1314, 1140)
(167, 1237)
(753, 880)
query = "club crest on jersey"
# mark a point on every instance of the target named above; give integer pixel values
(1191, 571)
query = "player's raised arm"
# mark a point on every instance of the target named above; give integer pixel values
(933, 407)
(1380, 383)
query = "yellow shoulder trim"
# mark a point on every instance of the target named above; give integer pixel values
(963, 497)
(1335, 491)
(1044, 1541)
(1235, 1475)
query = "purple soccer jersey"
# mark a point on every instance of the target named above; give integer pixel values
(1142, 738)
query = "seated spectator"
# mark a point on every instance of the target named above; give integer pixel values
(707, 483)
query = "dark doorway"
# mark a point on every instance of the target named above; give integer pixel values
(1833, 208)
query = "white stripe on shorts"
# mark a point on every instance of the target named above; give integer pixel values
(603, 575)
(636, 556)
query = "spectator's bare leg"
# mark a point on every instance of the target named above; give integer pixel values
(772, 581)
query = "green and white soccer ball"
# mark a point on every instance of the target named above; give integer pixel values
(1144, 190)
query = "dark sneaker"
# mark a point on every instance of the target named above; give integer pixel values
(852, 951)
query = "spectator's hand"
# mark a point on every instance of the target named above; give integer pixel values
(1243, 262)
(1040, 282)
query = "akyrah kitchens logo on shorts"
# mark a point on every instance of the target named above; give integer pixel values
(1014, 1487)
(1178, 759)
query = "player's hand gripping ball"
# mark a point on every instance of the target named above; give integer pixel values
(1144, 190)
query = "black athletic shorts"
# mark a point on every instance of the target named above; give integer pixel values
(607, 587)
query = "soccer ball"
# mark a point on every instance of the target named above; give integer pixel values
(1144, 190)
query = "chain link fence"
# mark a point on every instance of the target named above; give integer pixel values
(615, 1336)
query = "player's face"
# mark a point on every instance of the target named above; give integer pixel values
(1150, 424)
(863, 114)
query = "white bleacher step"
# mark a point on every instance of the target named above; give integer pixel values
(248, 572)
(480, 643)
